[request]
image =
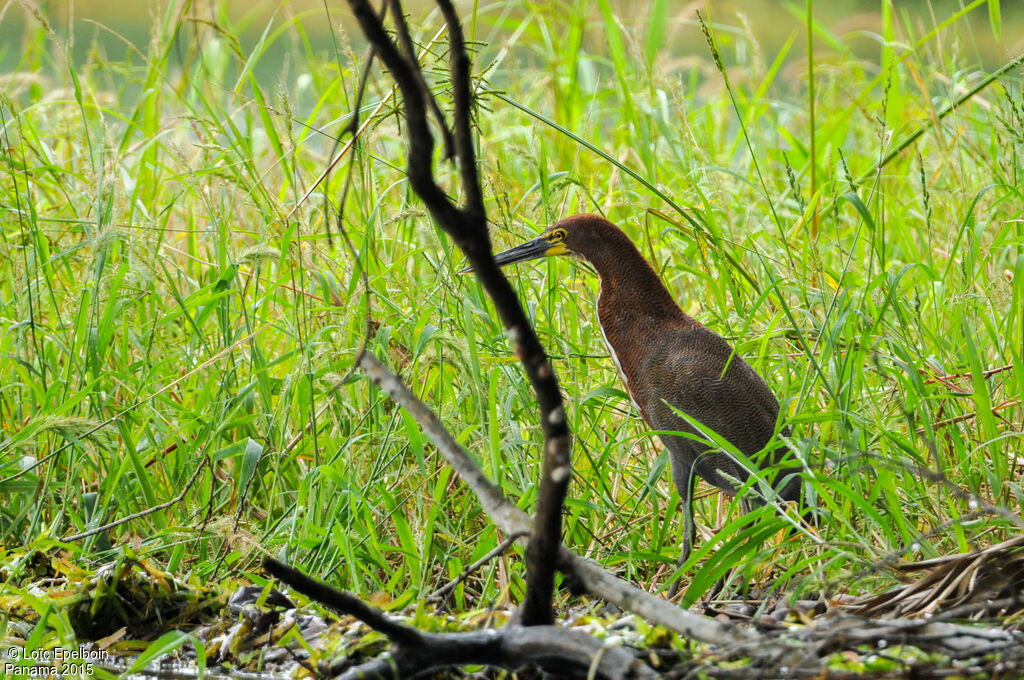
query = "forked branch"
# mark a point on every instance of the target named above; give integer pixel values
(568, 653)
(467, 226)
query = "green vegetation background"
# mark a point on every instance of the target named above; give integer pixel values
(167, 296)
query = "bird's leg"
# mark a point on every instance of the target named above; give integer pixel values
(682, 475)
(746, 505)
(689, 534)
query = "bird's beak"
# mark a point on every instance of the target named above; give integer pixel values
(531, 250)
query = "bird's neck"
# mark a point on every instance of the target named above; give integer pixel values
(631, 290)
(633, 307)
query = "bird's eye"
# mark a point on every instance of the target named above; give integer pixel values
(558, 235)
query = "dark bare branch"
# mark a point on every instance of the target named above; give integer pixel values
(419, 167)
(468, 228)
(405, 42)
(568, 652)
(343, 603)
(462, 91)
(561, 651)
(542, 552)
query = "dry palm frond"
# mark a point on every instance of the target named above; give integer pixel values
(983, 583)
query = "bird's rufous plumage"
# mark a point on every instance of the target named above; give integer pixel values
(670, 362)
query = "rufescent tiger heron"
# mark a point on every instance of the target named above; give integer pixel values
(671, 363)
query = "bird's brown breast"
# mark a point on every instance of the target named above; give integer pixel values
(677, 363)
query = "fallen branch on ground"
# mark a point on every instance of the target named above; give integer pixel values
(556, 649)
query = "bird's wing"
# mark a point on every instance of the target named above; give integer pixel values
(699, 375)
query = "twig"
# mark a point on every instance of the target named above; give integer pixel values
(946, 379)
(967, 416)
(419, 167)
(354, 131)
(205, 463)
(497, 551)
(352, 142)
(967, 610)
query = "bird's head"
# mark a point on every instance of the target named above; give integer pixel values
(570, 236)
